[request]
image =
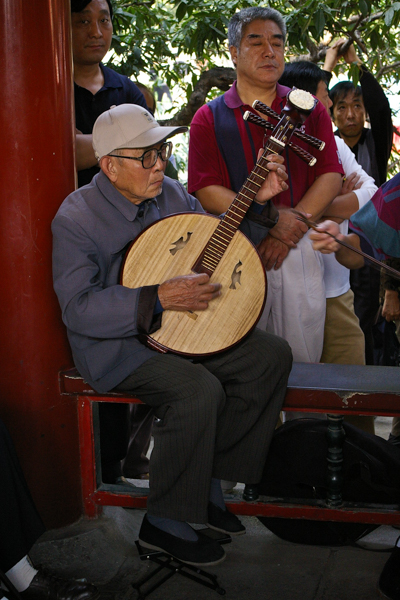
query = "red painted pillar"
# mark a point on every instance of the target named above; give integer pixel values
(37, 172)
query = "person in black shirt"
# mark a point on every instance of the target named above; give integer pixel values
(351, 105)
(96, 87)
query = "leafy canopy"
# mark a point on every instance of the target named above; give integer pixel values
(183, 42)
(175, 41)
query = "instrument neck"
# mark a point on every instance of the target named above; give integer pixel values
(249, 190)
(223, 235)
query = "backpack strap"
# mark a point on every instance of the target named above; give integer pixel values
(229, 141)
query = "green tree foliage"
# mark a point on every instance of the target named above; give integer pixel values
(183, 42)
(178, 40)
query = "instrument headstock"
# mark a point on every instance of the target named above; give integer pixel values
(301, 100)
(299, 105)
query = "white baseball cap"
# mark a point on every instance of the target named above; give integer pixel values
(128, 126)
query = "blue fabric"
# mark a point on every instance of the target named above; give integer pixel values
(257, 208)
(229, 142)
(379, 219)
(158, 308)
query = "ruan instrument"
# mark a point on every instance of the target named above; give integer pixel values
(201, 243)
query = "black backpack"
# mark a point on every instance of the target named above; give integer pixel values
(296, 468)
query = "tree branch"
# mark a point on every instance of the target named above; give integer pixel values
(393, 165)
(219, 77)
(374, 17)
(387, 69)
(316, 53)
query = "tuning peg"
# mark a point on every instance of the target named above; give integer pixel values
(265, 110)
(303, 154)
(257, 120)
(313, 141)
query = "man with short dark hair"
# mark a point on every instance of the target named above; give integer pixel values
(215, 414)
(96, 87)
(350, 107)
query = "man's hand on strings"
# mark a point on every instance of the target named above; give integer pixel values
(345, 255)
(188, 292)
(275, 181)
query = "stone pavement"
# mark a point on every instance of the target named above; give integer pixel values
(258, 565)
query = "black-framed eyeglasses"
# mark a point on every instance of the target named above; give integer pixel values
(149, 158)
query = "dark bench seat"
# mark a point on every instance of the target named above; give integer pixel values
(313, 387)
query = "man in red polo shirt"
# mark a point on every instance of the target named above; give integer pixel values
(223, 150)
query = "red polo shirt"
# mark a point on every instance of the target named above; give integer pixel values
(207, 166)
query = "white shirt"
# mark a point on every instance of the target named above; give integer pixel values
(336, 276)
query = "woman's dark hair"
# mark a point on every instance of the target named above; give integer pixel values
(302, 74)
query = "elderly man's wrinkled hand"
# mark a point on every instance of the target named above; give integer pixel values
(188, 292)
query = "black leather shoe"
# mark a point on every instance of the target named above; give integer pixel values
(47, 586)
(224, 521)
(202, 553)
(389, 581)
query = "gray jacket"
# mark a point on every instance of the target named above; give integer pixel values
(91, 233)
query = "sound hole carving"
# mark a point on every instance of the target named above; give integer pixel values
(235, 277)
(181, 243)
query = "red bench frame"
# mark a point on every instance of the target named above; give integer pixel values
(333, 389)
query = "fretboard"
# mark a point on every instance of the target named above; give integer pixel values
(214, 250)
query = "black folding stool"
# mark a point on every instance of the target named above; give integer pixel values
(173, 566)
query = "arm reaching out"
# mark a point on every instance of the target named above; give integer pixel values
(334, 53)
(85, 157)
(326, 244)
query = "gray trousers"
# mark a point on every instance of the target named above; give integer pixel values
(215, 417)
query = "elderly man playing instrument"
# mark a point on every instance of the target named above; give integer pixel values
(215, 414)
